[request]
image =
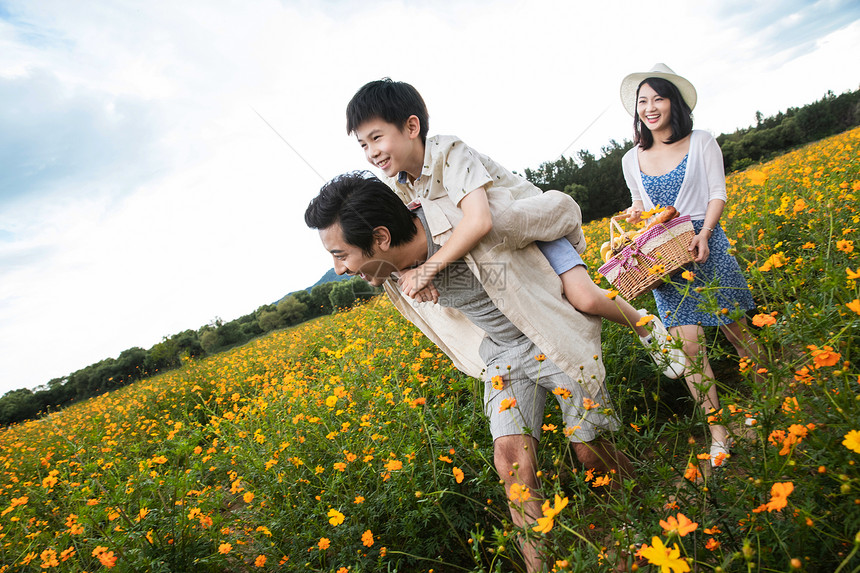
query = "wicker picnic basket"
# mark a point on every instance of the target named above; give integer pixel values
(635, 269)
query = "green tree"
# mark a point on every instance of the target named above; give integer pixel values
(291, 310)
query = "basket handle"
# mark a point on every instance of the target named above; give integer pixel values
(614, 226)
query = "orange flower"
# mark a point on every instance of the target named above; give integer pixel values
(324, 543)
(394, 465)
(224, 548)
(776, 260)
(692, 472)
(688, 275)
(682, 525)
(823, 356)
(540, 357)
(367, 538)
(853, 275)
(260, 561)
(845, 246)
(778, 497)
(498, 382)
(854, 305)
(712, 544)
(763, 320)
(563, 392)
(589, 404)
(458, 474)
(507, 403)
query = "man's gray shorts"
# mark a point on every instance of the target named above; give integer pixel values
(529, 381)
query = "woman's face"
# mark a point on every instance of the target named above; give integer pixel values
(654, 110)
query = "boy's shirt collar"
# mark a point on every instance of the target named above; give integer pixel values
(403, 177)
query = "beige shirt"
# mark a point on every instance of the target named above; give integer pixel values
(512, 270)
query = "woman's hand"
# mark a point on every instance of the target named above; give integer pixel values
(634, 212)
(699, 246)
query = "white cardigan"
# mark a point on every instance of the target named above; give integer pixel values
(704, 179)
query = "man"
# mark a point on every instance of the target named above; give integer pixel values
(499, 311)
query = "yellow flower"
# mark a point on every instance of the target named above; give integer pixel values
(756, 177)
(808, 245)
(688, 275)
(335, 517)
(668, 560)
(852, 441)
(611, 294)
(645, 320)
(657, 269)
(519, 493)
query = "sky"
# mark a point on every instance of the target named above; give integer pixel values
(156, 158)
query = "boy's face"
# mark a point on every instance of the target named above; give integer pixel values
(390, 148)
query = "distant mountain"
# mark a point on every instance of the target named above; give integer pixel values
(328, 277)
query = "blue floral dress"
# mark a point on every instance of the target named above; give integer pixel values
(677, 301)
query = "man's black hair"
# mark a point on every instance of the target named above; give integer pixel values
(360, 202)
(393, 102)
(681, 116)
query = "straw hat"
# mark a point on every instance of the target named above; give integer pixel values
(631, 83)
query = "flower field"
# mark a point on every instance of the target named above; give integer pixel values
(350, 443)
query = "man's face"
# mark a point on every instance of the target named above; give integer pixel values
(349, 259)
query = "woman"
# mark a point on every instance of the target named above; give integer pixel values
(672, 164)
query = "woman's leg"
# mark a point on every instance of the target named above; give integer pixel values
(700, 378)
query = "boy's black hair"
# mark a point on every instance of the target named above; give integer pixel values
(681, 116)
(361, 202)
(390, 101)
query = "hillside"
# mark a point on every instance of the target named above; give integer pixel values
(350, 443)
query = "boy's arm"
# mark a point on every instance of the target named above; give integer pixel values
(475, 224)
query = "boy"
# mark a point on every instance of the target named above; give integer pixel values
(390, 121)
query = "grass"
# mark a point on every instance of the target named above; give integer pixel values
(350, 443)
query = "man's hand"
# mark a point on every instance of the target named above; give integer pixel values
(417, 284)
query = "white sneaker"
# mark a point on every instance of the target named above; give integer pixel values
(664, 354)
(720, 452)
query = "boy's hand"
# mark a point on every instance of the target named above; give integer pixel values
(417, 283)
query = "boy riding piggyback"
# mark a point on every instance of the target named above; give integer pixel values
(486, 206)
